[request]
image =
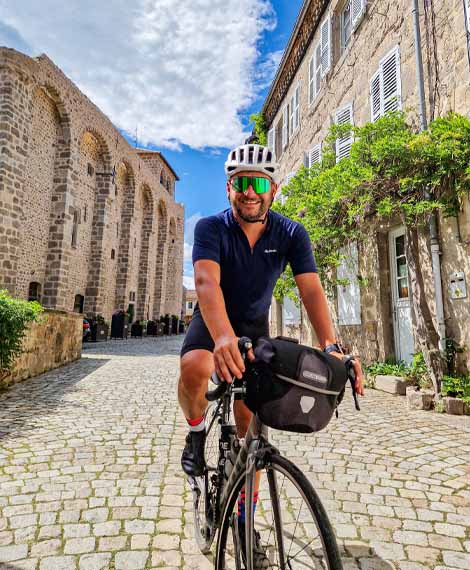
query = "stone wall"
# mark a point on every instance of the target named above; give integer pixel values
(72, 213)
(51, 343)
(388, 24)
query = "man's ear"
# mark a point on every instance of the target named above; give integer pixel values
(274, 188)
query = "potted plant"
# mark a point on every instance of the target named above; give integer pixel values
(167, 324)
(419, 395)
(174, 324)
(137, 329)
(456, 392)
(120, 325)
(99, 328)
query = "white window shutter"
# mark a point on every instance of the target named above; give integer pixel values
(311, 79)
(325, 39)
(343, 145)
(375, 98)
(349, 296)
(297, 107)
(314, 155)
(271, 140)
(285, 125)
(358, 8)
(318, 72)
(289, 177)
(391, 81)
(291, 115)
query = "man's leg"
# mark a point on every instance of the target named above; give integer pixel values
(196, 368)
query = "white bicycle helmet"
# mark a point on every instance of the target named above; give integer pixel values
(250, 157)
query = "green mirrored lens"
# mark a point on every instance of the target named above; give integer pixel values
(259, 185)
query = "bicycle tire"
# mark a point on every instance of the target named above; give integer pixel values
(330, 558)
(204, 529)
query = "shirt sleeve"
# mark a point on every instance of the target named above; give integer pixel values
(206, 240)
(300, 254)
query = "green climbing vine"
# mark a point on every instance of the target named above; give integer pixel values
(260, 128)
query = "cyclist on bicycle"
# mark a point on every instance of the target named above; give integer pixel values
(238, 255)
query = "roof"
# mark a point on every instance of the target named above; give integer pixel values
(148, 151)
(305, 26)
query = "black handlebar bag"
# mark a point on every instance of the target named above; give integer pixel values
(293, 387)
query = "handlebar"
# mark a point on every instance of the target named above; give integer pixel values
(244, 345)
(348, 362)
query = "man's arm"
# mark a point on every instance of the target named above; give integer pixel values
(314, 300)
(227, 358)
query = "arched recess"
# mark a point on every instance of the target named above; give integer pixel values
(160, 273)
(144, 286)
(172, 273)
(125, 183)
(53, 168)
(95, 163)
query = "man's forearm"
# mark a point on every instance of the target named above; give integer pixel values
(212, 305)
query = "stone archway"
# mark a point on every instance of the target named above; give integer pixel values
(160, 273)
(171, 271)
(125, 183)
(101, 244)
(144, 300)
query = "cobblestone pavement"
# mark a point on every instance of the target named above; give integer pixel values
(90, 476)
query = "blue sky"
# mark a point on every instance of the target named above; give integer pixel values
(186, 75)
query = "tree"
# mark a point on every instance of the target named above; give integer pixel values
(390, 173)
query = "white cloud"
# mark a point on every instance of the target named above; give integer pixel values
(188, 282)
(181, 71)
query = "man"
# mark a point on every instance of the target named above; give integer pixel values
(238, 255)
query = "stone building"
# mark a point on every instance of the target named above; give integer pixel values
(191, 300)
(352, 61)
(87, 223)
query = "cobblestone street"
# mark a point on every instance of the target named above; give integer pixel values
(90, 476)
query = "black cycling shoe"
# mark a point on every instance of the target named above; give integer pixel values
(192, 459)
(260, 557)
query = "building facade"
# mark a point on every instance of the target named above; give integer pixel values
(352, 61)
(191, 300)
(87, 223)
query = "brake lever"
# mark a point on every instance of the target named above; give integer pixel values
(348, 361)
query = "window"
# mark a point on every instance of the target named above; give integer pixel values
(325, 43)
(314, 74)
(113, 254)
(358, 9)
(34, 291)
(346, 26)
(313, 156)
(343, 144)
(76, 221)
(349, 294)
(190, 304)
(90, 170)
(285, 126)
(161, 178)
(85, 213)
(78, 304)
(385, 86)
(294, 121)
(272, 141)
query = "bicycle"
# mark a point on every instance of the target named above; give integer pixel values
(290, 538)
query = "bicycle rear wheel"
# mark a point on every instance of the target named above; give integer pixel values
(204, 490)
(294, 530)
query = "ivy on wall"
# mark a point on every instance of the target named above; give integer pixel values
(390, 173)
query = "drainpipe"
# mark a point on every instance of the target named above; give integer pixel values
(435, 245)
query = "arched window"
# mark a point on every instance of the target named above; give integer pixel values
(34, 291)
(78, 304)
(162, 180)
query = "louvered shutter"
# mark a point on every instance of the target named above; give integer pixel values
(318, 72)
(343, 145)
(375, 97)
(296, 107)
(358, 8)
(349, 296)
(271, 141)
(285, 125)
(291, 115)
(325, 39)
(314, 155)
(311, 79)
(391, 82)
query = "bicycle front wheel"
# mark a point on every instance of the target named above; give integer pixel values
(292, 527)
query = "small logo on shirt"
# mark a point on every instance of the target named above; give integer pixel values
(270, 251)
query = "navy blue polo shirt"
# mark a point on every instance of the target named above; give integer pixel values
(248, 277)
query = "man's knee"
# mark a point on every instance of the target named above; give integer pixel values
(196, 368)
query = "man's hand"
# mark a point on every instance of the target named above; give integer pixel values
(359, 384)
(228, 359)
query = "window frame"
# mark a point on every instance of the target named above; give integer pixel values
(315, 149)
(341, 143)
(285, 126)
(378, 79)
(344, 44)
(325, 32)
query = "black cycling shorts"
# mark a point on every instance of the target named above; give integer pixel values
(198, 335)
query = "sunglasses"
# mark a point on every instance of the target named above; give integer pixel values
(259, 185)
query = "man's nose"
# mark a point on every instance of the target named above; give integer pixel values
(250, 192)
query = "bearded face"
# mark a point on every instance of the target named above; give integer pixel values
(248, 205)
